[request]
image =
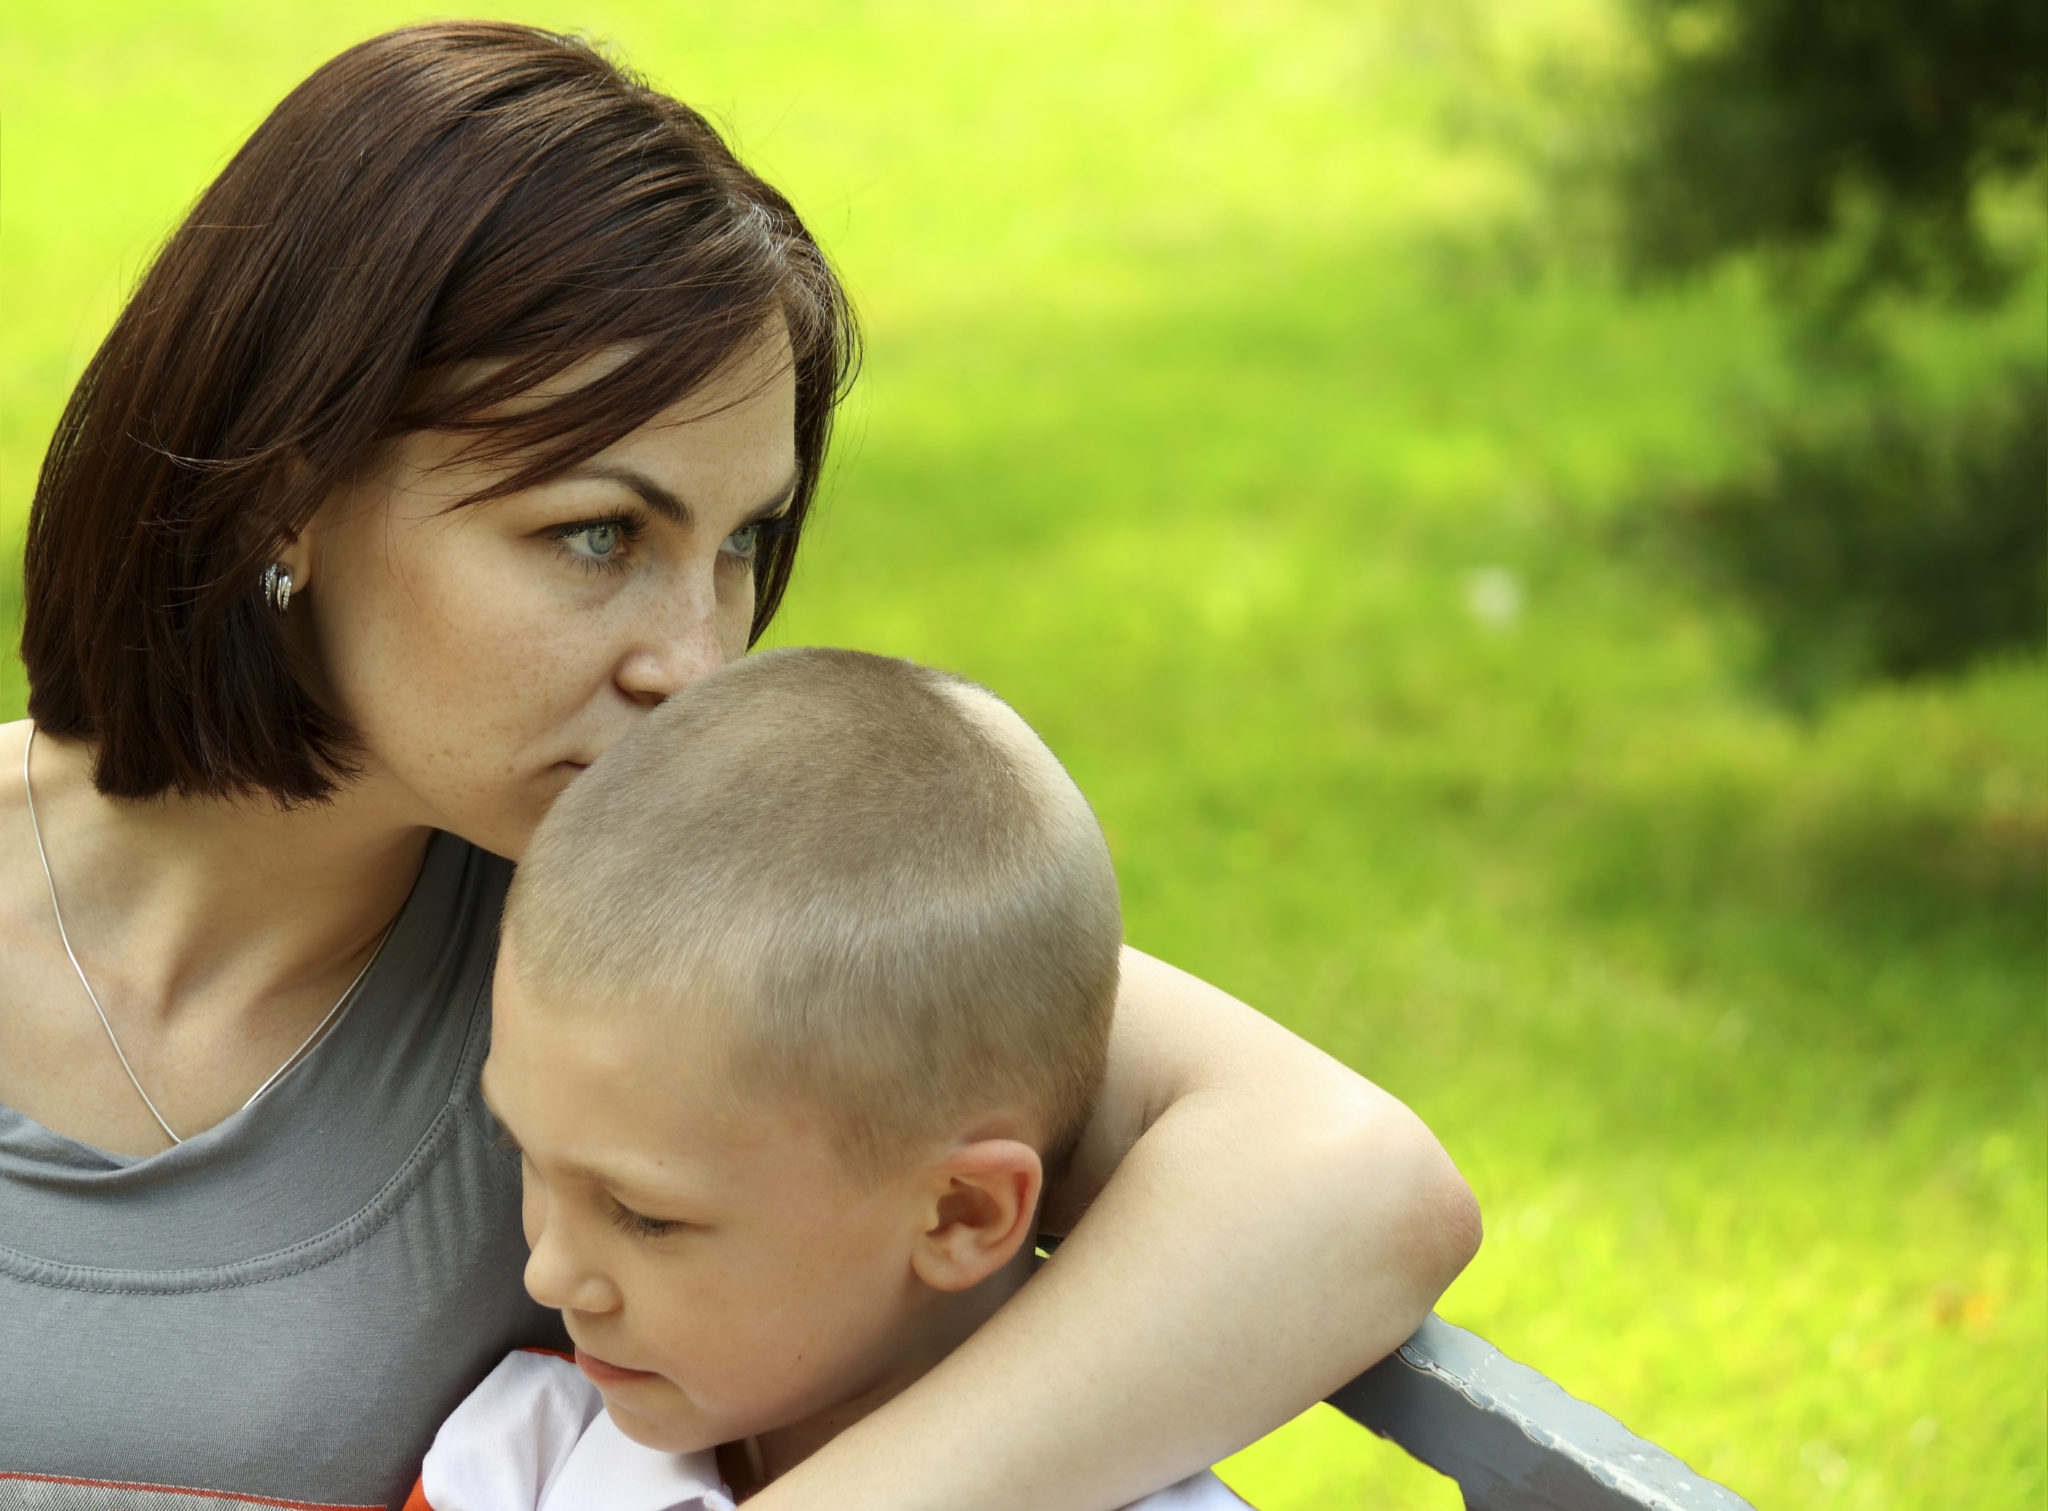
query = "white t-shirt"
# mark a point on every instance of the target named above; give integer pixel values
(535, 1437)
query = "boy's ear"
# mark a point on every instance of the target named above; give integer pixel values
(981, 1204)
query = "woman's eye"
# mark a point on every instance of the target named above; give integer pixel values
(597, 542)
(744, 543)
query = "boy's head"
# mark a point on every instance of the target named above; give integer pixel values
(803, 985)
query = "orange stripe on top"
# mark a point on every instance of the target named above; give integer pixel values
(200, 1490)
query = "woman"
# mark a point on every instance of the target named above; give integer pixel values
(477, 406)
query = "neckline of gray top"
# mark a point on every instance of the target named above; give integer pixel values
(320, 1149)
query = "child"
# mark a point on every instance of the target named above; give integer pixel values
(804, 988)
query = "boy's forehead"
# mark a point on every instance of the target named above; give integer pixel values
(593, 1043)
(548, 1008)
(628, 1081)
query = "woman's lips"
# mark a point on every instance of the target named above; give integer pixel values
(602, 1373)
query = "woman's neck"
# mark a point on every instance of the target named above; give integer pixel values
(206, 889)
(215, 933)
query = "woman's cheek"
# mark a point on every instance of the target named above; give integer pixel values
(735, 615)
(517, 653)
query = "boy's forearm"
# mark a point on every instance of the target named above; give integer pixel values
(1278, 1226)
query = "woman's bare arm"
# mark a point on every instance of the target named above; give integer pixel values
(1252, 1225)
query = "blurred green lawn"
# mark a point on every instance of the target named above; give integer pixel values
(1211, 417)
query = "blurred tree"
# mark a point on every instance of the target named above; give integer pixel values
(1861, 148)
(1825, 127)
(1886, 546)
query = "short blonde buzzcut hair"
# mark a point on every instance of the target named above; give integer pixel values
(880, 887)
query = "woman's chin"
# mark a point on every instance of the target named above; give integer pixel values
(506, 827)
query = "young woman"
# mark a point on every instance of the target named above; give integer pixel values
(476, 407)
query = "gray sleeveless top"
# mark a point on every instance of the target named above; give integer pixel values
(280, 1310)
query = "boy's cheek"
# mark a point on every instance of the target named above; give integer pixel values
(671, 1424)
(708, 1395)
(711, 1345)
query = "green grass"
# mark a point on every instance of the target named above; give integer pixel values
(1205, 418)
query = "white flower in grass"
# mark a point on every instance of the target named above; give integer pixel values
(1493, 596)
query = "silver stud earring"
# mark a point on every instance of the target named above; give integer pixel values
(277, 587)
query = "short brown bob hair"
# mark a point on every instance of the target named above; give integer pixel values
(443, 194)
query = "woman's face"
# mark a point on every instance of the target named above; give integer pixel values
(487, 654)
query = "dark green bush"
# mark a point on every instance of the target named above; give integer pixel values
(1895, 546)
(1853, 146)
(1848, 135)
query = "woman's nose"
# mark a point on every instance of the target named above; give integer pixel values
(674, 647)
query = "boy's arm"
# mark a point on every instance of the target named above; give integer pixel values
(1272, 1226)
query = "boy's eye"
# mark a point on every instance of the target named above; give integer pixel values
(639, 1225)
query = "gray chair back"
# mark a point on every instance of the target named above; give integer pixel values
(1513, 1439)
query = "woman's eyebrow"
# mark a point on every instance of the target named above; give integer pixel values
(665, 503)
(780, 502)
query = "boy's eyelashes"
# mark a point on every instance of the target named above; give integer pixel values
(626, 1220)
(623, 1217)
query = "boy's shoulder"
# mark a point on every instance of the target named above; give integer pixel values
(534, 1437)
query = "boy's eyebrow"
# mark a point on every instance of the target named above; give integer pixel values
(612, 1180)
(665, 503)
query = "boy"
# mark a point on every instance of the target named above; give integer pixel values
(803, 989)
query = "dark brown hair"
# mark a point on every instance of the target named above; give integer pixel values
(866, 882)
(443, 194)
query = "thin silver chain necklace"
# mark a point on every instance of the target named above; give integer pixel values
(319, 1029)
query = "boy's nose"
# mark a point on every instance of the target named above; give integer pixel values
(554, 1277)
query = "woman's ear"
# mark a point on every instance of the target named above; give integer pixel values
(295, 555)
(293, 551)
(981, 1204)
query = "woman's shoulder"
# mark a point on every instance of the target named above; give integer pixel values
(13, 796)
